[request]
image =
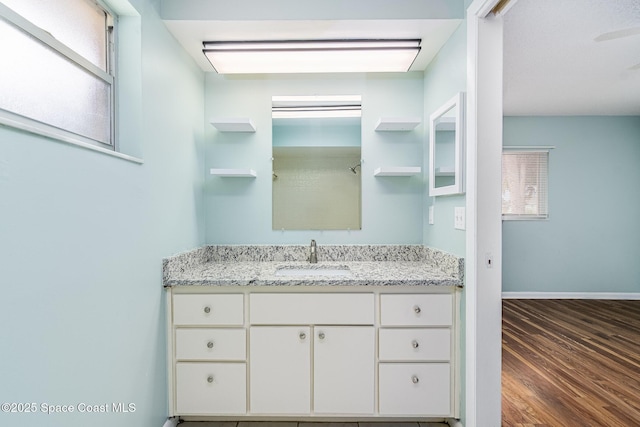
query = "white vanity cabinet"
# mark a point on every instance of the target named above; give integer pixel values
(369, 353)
(327, 367)
(341, 366)
(209, 353)
(415, 355)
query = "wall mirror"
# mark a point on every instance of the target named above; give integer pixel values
(316, 175)
(446, 148)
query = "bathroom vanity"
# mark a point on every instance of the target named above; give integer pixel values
(366, 333)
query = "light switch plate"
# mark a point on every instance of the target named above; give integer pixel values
(459, 223)
(431, 215)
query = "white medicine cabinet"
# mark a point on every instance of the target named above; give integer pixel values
(446, 148)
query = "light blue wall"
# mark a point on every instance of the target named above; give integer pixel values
(317, 135)
(238, 210)
(444, 77)
(82, 235)
(591, 242)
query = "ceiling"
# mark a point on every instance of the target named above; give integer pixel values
(553, 64)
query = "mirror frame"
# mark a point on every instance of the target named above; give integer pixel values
(457, 103)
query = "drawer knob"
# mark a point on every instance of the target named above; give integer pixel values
(303, 335)
(210, 344)
(207, 309)
(210, 379)
(321, 335)
(415, 344)
(416, 309)
(415, 379)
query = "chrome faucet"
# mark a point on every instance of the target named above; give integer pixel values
(313, 255)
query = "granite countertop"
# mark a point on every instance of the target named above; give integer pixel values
(408, 265)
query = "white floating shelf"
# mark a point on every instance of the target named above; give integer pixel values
(398, 171)
(397, 124)
(445, 171)
(233, 124)
(236, 173)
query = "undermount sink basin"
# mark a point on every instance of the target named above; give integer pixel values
(313, 270)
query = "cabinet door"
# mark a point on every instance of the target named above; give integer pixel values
(416, 344)
(211, 388)
(210, 344)
(208, 309)
(280, 370)
(416, 310)
(344, 372)
(419, 389)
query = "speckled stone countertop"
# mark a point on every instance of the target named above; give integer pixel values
(367, 265)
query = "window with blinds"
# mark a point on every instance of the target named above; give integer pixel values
(525, 184)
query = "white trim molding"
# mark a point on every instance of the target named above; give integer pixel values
(483, 284)
(572, 295)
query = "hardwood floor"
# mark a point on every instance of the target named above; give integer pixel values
(570, 363)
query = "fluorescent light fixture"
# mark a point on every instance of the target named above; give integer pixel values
(311, 107)
(311, 56)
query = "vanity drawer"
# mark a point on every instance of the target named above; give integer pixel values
(211, 388)
(415, 389)
(415, 344)
(311, 309)
(211, 344)
(208, 309)
(416, 310)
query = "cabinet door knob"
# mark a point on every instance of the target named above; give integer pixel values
(415, 344)
(415, 379)
(210, 379)
(416, 309)
(210, 344)
(303, 335)
(207, 309)
(321, 335)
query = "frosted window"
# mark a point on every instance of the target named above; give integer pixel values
(525, 184)
(79, 24)
(38, 83)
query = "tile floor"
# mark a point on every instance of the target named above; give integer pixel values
(303, 424)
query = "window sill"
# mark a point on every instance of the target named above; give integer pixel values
(26, 125)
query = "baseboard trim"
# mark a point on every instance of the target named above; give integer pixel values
(572, 295)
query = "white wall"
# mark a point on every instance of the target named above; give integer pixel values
(82, 235)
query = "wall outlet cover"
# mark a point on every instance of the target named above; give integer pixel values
(431, 215)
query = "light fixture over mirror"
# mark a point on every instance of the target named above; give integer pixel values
(312, 56)
(316, 162)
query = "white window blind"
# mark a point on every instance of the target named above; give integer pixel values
(525, 184)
